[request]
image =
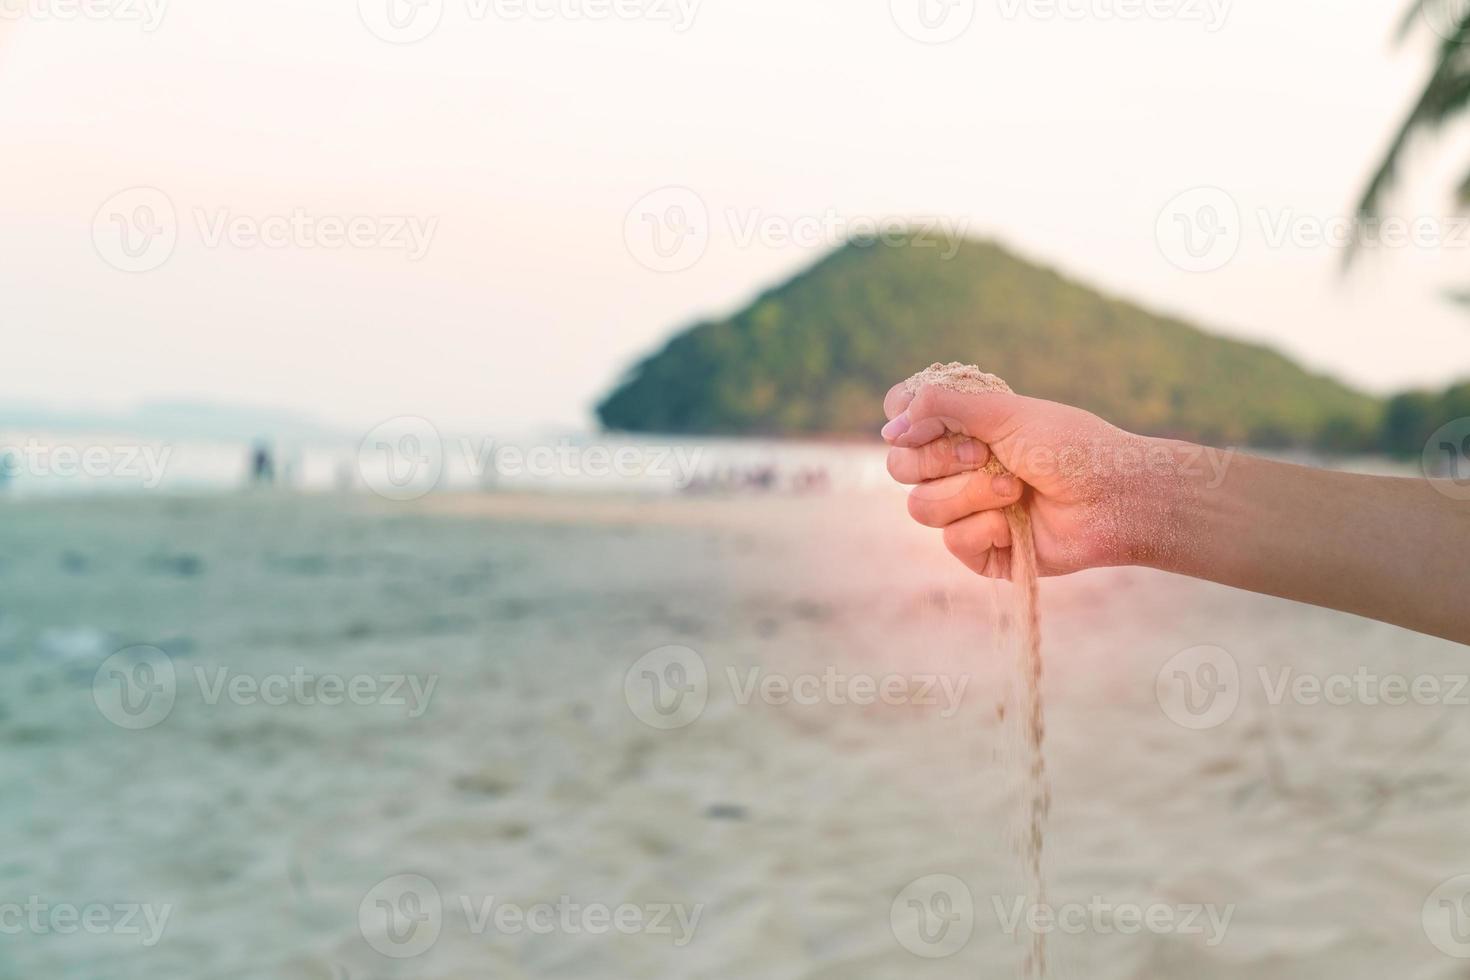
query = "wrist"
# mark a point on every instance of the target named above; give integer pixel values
(1166, 508)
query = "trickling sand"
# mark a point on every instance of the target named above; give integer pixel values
(1026, 615)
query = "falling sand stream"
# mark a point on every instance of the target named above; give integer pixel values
(1025, 615)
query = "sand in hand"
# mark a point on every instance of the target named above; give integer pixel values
(1027, 619)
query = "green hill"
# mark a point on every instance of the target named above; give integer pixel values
(815, 355)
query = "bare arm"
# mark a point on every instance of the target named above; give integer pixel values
(1388, 548)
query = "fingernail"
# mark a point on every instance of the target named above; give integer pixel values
(967, 452)
(1005, 485)
(896, 426)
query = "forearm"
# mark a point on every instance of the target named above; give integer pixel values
(1387, 548)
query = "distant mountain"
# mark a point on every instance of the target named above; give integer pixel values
(815, 355)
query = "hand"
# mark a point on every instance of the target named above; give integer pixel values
(1097, 495)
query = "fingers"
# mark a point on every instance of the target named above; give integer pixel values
(988, 417)
(939, 503)
(896, 400)
(975, 540)
(940, 458)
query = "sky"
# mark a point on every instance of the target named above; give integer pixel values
(483, 211)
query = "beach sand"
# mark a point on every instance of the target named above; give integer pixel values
(796, 830)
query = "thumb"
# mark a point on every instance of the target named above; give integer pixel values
(990, 417)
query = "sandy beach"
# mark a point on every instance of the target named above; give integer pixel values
(449, 711)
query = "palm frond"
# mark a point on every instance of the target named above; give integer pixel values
(1444, 97)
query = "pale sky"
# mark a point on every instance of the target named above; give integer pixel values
(514, 146)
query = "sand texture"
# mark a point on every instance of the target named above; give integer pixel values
(797, 826)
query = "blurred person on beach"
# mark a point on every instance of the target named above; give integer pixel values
(262, 465)
(1388, 548)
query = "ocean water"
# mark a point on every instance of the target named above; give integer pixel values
(408, 457)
